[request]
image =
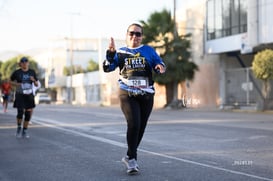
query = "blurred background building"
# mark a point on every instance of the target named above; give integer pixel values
(235, 31)
(226, 34)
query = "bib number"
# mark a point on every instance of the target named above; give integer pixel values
(27, 91)
(137, 82)
(27, 88)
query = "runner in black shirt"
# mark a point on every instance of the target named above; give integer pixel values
(23, 79)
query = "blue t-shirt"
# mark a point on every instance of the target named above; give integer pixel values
(136, 66)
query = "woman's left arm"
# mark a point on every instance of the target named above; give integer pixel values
(159, 67)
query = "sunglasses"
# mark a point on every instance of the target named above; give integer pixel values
(132, 33)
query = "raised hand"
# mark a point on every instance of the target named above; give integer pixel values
(112, 46)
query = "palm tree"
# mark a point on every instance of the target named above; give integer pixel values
(160, 32)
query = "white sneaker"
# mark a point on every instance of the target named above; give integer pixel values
(25, 134)
(132, 166)
(18, 132)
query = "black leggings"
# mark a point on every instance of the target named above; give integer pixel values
(136, 110)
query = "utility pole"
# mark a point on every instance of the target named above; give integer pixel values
(174, 18)
(174, 10)
(175, 34)
(70, 95)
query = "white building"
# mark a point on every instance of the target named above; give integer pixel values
(94, 88)
(226, 34)
(236, 30)
(203, 91)
(87, 88)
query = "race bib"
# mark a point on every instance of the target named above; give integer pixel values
(26, 88)
(137, 82)
(27, 91)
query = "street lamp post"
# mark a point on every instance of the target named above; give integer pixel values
(70, 98)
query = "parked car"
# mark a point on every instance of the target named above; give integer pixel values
(42, 98)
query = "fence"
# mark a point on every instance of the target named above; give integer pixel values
(243, 88)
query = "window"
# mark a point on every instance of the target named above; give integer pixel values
(226, 18)
(235, 17)
(219, 11)
(210, 22)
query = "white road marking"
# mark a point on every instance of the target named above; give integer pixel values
(55, 124)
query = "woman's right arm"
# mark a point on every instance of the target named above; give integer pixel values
(110, 63)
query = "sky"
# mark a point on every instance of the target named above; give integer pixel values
(28, 24)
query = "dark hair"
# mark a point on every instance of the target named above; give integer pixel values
(135, 24)
(23, 59)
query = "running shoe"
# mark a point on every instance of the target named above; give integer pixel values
(125, 160)
(132, 166)
(25, 134)
(18, 132)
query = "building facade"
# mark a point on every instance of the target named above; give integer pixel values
(226, 34)
(235, 30)
(203, 91)
(81, 88)
(93, 88)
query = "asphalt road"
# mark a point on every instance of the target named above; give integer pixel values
(87, 143)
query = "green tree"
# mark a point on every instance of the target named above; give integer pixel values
(160, 32)
(262, 67)
(75, 70)
(78, 69)
(11, 65)
(92, 66)
(66, 71)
